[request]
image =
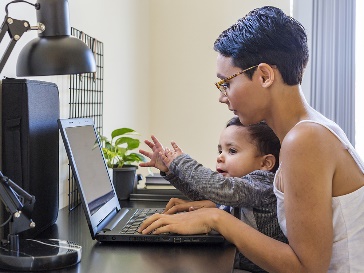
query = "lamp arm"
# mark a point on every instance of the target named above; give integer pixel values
(19, 203)
(15, 28)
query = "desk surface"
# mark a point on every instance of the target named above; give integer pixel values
(141, 257)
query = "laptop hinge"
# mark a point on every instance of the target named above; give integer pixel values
(115, 220)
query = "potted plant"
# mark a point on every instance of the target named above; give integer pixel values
(121, 158)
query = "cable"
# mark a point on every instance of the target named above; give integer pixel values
(36, 5)
(7, 221)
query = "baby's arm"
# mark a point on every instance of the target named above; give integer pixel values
(198, 182)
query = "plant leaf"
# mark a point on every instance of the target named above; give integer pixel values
(121, 151)
(117, 151)
(102, 138)
(136, 157)
(123, 131)
(131, 143)
(133, 157)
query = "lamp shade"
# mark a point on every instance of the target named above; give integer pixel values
(57, 55)
(55, 52)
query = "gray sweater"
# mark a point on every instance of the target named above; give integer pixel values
(252, 194)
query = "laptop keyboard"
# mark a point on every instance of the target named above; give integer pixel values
(135, 221)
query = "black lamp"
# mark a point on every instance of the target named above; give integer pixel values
(54, 52)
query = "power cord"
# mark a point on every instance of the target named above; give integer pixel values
(36, 5)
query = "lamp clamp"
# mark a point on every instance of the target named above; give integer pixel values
(19, 203)
(30, 254)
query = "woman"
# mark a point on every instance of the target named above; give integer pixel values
(319, 184)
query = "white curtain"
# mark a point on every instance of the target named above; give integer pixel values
(333, 62)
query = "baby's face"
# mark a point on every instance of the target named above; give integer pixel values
(238, 156)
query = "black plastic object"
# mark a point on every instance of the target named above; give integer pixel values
(41, 255)
(54, 51)
(30, 145)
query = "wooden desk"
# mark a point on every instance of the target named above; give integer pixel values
(137, 258)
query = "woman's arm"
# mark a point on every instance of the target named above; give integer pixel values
(308, 167)
(264, 251)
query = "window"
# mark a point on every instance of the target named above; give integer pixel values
(359, 86)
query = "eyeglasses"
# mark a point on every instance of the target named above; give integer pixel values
(222, 85)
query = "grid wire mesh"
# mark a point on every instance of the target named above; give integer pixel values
(86, 100)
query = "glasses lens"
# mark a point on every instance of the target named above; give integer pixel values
(218, 86)
(222, 88)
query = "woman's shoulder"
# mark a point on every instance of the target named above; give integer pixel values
(307, 134)
(310, 144)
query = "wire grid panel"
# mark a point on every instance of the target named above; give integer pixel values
(86, 99)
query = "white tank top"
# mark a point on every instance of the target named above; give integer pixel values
(348, 215)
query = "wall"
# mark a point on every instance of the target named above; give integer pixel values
(123, 27)
(159, 67)
(184, 102)
(115, 23)
(303, 12)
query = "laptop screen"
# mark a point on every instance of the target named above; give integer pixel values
(99, 200)
(91, 168)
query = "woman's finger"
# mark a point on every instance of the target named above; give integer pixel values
(149, 224)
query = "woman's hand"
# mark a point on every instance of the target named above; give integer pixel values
(155, 159)
(195, 222)
(179, 205)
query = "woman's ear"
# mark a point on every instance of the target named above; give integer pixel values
(266, 75)
(268, 162)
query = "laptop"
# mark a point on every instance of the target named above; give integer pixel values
(107, 220)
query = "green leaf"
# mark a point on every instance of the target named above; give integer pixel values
(133, 158)
(140, 157)
(121, 151)
(131, 143)
(108, 145)
(102, 138)
(122, 131)
(117, 151)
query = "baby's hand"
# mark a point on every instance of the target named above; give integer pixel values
(173, 202)
(179, 205)
(155, 159)
(168, 155)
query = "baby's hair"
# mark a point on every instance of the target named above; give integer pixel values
(263, 137)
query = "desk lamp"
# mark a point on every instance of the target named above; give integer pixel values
(54, 52)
